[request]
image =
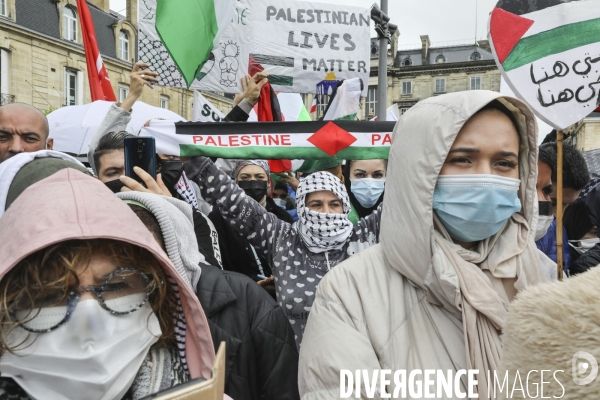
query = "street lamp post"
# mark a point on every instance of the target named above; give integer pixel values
(385, 31)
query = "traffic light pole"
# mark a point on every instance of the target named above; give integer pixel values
(382, 72)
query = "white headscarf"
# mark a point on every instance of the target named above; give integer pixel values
(323, 232)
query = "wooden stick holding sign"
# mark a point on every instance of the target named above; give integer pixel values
(548, 52)
(559, 204)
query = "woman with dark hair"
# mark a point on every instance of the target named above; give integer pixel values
(365, 183)
(90, 305)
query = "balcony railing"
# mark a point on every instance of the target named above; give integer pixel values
(6, 98)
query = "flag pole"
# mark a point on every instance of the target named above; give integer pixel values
(559, 203)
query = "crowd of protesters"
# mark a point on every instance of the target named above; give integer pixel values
(113, 289)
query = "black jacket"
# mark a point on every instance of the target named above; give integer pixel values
(590, 258)
(262, 360)
(236, 115)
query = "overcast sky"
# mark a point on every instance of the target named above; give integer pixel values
(442, 20)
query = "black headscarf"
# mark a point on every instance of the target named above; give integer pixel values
(362, 211)
(577, 221)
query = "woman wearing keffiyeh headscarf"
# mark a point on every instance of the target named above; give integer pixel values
(299, 254)
(237, 253)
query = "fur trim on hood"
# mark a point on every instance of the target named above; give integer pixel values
(548, 327)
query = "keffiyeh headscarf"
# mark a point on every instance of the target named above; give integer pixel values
(239, 164)
(322, 232)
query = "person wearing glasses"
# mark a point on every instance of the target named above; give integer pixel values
(90, 305)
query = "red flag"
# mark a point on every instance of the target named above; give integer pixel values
(313, 107)
(100, 86)
(267, 109)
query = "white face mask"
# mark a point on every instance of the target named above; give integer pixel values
(95, 355)
(544, 222)
(586, 244)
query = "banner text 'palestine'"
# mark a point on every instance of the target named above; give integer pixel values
(351, 140)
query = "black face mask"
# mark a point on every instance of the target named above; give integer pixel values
(255, 189)
(545, 208)
(115, 185)
(170, 171)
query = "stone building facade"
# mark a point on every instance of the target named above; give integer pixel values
(419, 73)
(42, 60)
(585, 136)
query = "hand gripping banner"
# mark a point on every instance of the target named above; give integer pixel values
(350, 140)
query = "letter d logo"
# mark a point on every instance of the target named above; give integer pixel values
(580, 367)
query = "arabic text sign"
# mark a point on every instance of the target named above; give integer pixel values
(550, 57)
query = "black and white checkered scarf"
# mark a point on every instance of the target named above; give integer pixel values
(323, 232)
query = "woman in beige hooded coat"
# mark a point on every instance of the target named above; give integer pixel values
(423, 298)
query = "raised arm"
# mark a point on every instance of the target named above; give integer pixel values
(119, 115)
(246, 216)
(245, 101)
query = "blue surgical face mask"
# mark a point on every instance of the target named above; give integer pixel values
(367, 190)
(475, 207)
(280, 203)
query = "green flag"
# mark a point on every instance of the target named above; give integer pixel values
(190, 29)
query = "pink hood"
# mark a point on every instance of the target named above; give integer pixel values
(71, 205)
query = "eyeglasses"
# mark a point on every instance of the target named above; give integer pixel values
(124, 291)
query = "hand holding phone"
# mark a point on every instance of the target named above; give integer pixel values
(140, 152)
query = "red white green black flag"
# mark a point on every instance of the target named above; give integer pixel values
(549, 53)
(352, 140)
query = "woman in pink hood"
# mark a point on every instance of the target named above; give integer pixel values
(90, 305)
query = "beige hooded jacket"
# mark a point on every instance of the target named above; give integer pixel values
(413, 302)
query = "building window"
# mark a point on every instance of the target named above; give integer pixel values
(407, 87)
(475, 56)
(123, 92)
(475, 83)
(322, 102)
(3, 8)
(440, 59)
(440, 85)
(371, 103)
(123, 45)
(403, 110)
(71, 95)
(5, 96)
(70, 24)
(407, 62)
(164, 101)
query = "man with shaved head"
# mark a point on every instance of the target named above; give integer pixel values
(23, 129)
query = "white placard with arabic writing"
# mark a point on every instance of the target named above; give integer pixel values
(562, 89)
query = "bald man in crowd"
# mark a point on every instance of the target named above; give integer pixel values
(23, 129)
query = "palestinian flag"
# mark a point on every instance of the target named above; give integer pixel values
(524, 34)
(547, 51)
(190, 29)
(345, 101)
(280, 69)
(351, 140)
